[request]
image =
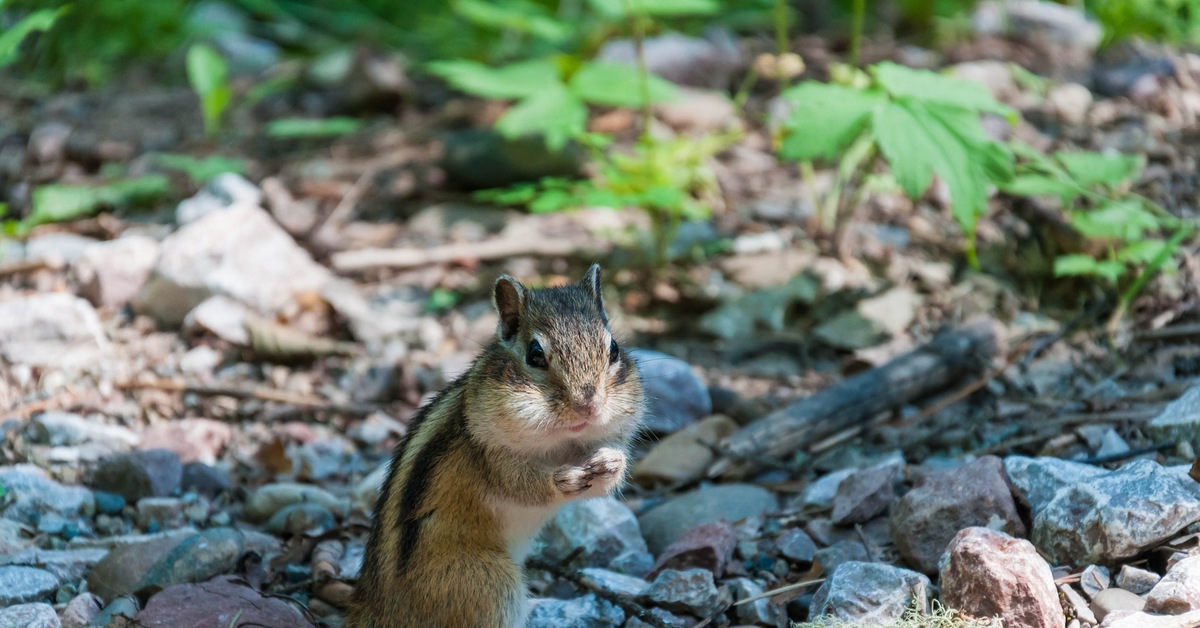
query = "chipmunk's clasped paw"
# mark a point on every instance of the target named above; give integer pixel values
(597, 476)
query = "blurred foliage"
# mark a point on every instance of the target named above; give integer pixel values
(60, 202)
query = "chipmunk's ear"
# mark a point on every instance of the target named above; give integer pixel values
(509, 296)
(591, 283)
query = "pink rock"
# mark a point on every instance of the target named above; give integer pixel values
(707, 546)
(1179, 591)
(987, 573)
(194, 440)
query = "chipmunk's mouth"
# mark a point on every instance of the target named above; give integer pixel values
(577, 428)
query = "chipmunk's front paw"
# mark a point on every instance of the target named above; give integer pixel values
(597, 476)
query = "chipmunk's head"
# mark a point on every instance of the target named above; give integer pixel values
(563, 375)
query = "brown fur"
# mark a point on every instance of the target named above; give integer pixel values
(451, 525)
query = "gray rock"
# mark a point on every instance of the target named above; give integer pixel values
(760, 310)
(1127, 619)
(483, 158)
(1076, 605)
(666, 523)
(1112, 445)
(1136, 580)
(605, 529)
(709, 62)
(123, 607)
(20, 584)
(688, 591)
(241, 253)
(67, 565)
(1179, 591)
(220, 316)
(223, 192)
(664, 618)
(111, 273)
(1069, 102)
(871, 321)
(698, 110)
(205, 480)
(29, 616)
(820, 493)
(840, 553)
(865, 495)
(167, 560)
(759, 612)
(677, 396)
(58, 248)
(80, 611)
(53, 329)
(69, 429)
(34, 494)
(797, 546)
(1116, 515)
(987, 573)
(1036, 21)
(268, 499)
(148, 473)
(1094, 579)
(587, 611)
(1110, 600)
(1038, 480)
(298, 519)
(869, 593)
(619, 583)
(157, 513)
(1179, 420)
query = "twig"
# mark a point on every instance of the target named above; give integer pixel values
(22, 267)
(587, 583)
(1132, 453)
(368, 259)
(258, 392)
(783, 589)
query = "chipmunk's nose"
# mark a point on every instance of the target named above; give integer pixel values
(586, 405)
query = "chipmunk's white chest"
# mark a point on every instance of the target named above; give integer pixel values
(521, 526)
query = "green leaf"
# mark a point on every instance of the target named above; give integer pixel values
(825, 119)
(200, 171)
(208, 75)
(1040, 185)
(1143, 252)
(1089, 168)
(1111, 270)
(10, 40)
(555, 113)
(620, 9)
(58, 203)
(514, 17)
(517, 80)
(1121, 220)
(905, 82)
(1074, 265)
(312, 127)
(617, 85)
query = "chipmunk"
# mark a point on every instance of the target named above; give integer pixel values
(543, 416)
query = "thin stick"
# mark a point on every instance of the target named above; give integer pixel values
(258, 393)
(370, 259)
(783, 589)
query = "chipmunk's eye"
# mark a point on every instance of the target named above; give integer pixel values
(614, 352)
(535, 357)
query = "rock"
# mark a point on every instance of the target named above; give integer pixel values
(1094, 579)
(168, 560)
(109, 503)
(1037, 480)
(241, 253)
(52, 329)
(987, 573)
(664, 618)
(35, 494)
(840, 553)
(926, 519)
(604, 529)
(619, 583)
(1179, 591)
(58, 248)
(1179, 420)
(733, 502)
(298, 519)
(192, 439)
(366, 491)
(20, 584)
(1032, 20)
(1069, 102)
(61, 429)
(711, 62)
(677, 397)
(758, 612)
(871, 321)
(587, 611)
(157, 513)
(222, 317)
(67, 565)
(1136, 580)
(222, 601)
(224, 191)
(865, 495)
(1126, 619)
(1116, 515)
(80, 611)
(204, 480)
(690, 591)
(1112, 445)
(862, 592)
(1110, 600)
(821, 492)
(796, 546)
(13, 537)
(482, 158)
(111, 273)
(684, 456)
(705, 111)
(268, 499)
(759, 310)
(118, 614)
(148, 473)
(29, 616)
(1076, 605)
(707, 547)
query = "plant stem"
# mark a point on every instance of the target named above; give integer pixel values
(782, 45)
(1149, 271)
(639, 35)
(856, 30)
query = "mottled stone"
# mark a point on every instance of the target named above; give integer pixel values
(1179, 591)
(869, 593)
(605, 529)
(986, 573)
(1113, 599)
(20, 584)
(707, 547)
(1136, 580)
(689, 591)
(1037, 480)
(664, 524)
(37, 615)
(865, 495)
(677, 397)
(1094, 579)
(587, 611)
(1180, 420)
(149, 473)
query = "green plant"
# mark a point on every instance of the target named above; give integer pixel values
(209, 76)
(1172, 21)
(312, 127)
(200, 171)
(37, 21)
(61, 202)
(921, 123)
(914, 617)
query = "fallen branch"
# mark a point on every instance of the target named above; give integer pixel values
(948, 358)
(258, 393)
(368, 259)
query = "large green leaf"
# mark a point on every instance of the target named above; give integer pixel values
(1041, 185)
(517, 80)
(905, 82)
(1122, 220)
(825, 118)
(620, 9)
(555, 113)
(1089, 168)
(1143, 252)
(514, 17)
(617, 85)
(10, 40)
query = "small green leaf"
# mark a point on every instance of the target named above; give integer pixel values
(620, 9)
(1142, 252)
(1074, 265)
(58, 203)
(209, 76)
(554, 113)
(312, 127)
(1121, 220)
(1089, 168)
(923, 85)
(200, 171)
(10, 40)
(825, 119)
(517, 80)
(1040, 185)
(617, 85)
(441, 299)
(514, 17)
(1111, 270)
